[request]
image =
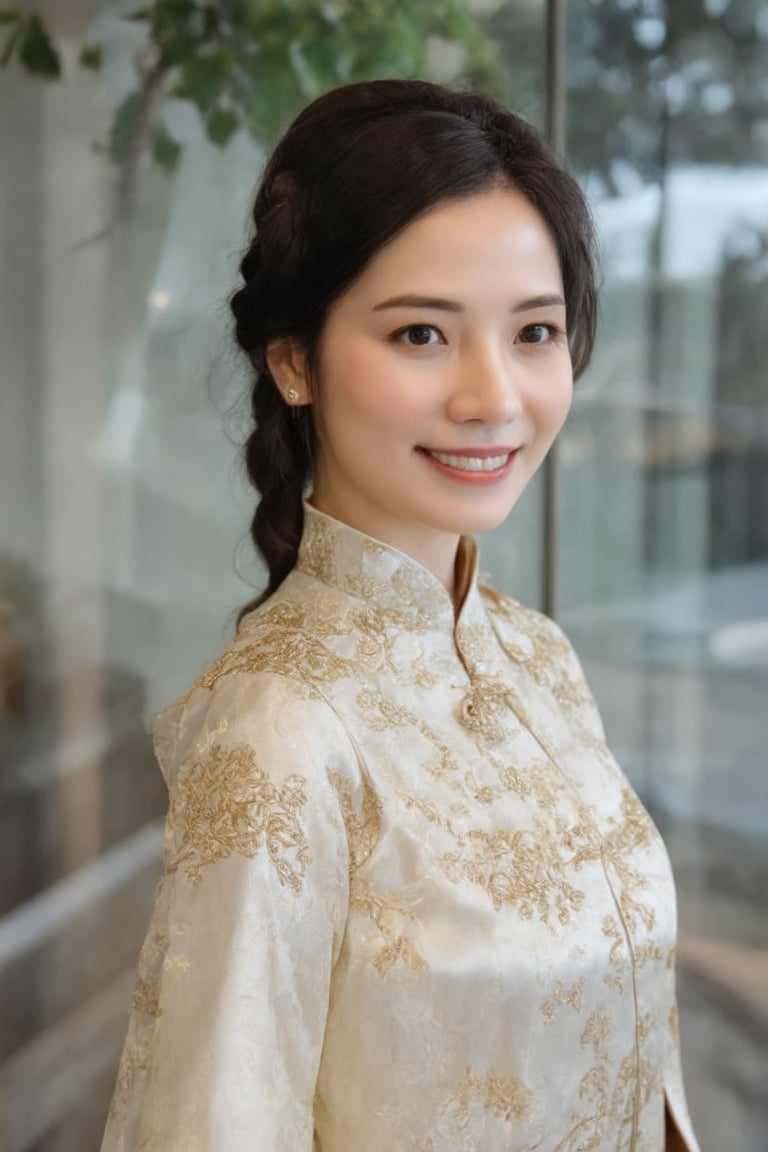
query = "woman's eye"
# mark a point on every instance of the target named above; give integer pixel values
(418, 335)
(537, 334)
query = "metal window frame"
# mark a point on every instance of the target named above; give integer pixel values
(555, 107)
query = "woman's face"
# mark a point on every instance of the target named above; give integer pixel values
(445, 376)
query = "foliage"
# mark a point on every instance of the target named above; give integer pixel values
(649, 81)
(251, 64)
(28, 39)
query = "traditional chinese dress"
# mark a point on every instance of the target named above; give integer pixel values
(409, 902)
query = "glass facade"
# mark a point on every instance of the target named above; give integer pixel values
(664, 552)
(123, 517)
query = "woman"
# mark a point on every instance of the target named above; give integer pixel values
(409, 902)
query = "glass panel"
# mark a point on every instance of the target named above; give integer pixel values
(513, 555)
(123, 519)
(664, 582)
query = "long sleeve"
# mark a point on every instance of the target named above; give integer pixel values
(229, 1013)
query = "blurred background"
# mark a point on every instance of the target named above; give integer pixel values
(131, 139)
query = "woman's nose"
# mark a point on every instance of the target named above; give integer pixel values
(487, 389)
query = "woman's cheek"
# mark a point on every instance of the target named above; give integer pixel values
(558, 399)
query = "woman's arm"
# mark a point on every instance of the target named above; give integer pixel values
(229, 1014)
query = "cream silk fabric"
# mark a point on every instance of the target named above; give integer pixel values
(409, 902)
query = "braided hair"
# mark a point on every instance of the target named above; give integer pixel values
(353, 170)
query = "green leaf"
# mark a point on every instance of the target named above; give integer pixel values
(10, 46)
(37, 52)
(91, 57)
(202, 80)
(165, 150)
(8, 16)
(221, 124)
(122, 127)
(139, 14)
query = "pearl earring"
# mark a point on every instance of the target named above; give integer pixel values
(292, 396)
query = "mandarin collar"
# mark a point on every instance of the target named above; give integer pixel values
(391, 582)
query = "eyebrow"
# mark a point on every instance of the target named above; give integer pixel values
(440, 305)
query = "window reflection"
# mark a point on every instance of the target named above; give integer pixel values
(121, 505)
(664, 580)
(119, 566)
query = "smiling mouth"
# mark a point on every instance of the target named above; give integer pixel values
(484, 463)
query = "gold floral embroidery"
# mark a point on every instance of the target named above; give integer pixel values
(545, 647)
(485, 705)
(377, 632)
(381, 715)
(145, 1011)
(430, 811)
(363, 827)
(597, 1030)
(385, 911)
(146, 999)
(572, 996)
(399, 950)
(317, 553)
(357, 583)
(473, 641)
(646, 1026)
(373, 640)
(506, 1098)
(353, 563)
(617, 956)
(534, 781)
(419, 595)
(633, 831)
(133, 1062)
(224, 803)
(543, 651)
(608, 1098)
(295, 654)
(423, 676)
(146, 995)
(522, 868)
(531, 868)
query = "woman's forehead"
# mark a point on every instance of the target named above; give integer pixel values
(494, 239)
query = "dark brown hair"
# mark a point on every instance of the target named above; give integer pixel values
(355, 168)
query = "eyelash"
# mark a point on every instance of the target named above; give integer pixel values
(398, 336)
(554, 331)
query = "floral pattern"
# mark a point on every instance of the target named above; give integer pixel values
(404, 879)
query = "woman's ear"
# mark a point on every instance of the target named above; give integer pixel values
(287, 364)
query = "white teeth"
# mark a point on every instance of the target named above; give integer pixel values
(472, 463)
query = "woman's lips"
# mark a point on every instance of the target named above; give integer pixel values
(473, 465)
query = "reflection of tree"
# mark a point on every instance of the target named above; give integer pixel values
(743, 307)
(654, 85)
(253, 63)
(739, 461)
(701, 63)
(517, 28)
(657, 83)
